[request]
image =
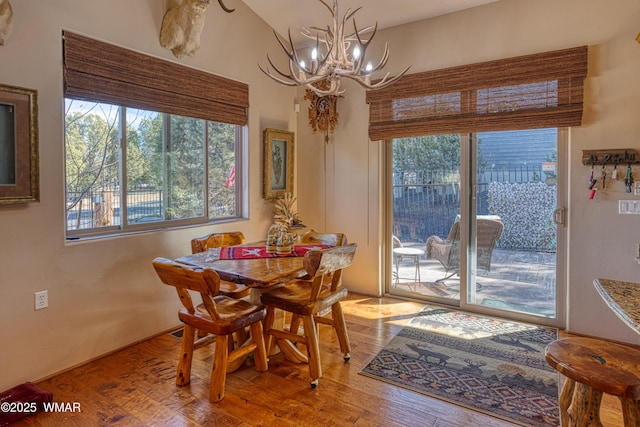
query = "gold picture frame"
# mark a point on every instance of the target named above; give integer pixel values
(19, 157)
(278, 163)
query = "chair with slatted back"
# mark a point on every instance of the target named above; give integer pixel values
(306, 299)
(219, 240)
(218, 315)
(331, 239)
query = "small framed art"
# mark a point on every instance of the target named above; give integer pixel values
(278, 163)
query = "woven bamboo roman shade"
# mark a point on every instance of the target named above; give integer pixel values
(98, 71)
(526, 92)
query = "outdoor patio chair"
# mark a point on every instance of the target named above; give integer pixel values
(447, 251)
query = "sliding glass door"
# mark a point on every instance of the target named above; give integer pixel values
(474, 221)
(426, 212)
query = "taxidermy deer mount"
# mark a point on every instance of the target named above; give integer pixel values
(6, 21)
(182, 25)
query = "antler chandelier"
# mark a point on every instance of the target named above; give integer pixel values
(332, 58)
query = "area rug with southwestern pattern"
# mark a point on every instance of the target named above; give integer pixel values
(490, 365)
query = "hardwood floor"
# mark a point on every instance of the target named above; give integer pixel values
(136, 386)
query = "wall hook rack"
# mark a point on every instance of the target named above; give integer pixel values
(623, 156)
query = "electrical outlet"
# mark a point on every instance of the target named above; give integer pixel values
(42, 300)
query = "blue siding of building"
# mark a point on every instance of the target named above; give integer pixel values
(508, 149)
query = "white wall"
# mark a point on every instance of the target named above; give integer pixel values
(103, 294)
(602, 243)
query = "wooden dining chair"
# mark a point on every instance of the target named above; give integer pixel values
(218, 315)
(331, 239)
(306, 299)
(219, 240)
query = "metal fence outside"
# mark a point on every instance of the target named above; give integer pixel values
(101, 207)
(426, 203)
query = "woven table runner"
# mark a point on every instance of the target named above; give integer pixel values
(252, 252)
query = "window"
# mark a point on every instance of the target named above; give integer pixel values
(129, 169)
(148, 143)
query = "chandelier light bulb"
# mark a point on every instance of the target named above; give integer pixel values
(335, 63)
(301, 76)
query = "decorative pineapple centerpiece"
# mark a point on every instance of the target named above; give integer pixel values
(280, 239)
(285, 213)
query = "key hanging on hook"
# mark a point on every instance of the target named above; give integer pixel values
(592, 184)
(592, 193)
(628, 181)
(604, 177)
(614, 173)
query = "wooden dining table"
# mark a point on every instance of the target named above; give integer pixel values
(261, 274)
(258, 273)
(254, 272)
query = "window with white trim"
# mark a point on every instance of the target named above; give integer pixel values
(148, 143)
(129, 169)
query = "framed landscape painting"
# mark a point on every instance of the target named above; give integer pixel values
(278, 163)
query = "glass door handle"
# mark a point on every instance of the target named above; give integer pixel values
(559, 216)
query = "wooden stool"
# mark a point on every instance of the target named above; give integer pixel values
(593, 367)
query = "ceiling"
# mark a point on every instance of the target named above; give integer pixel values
(295, 14)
